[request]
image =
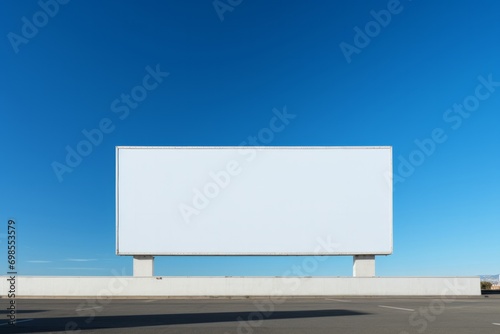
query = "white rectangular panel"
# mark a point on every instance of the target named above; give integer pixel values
(254, 200)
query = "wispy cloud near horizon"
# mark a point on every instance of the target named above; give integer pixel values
(80, 260)
(39, 261)
(78, 268)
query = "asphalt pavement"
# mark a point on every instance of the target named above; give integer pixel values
(257, 315)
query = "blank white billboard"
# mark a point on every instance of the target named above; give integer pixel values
(249, 200)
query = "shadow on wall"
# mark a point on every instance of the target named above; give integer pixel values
(41, 325)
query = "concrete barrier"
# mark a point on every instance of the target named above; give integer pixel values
(125, 286)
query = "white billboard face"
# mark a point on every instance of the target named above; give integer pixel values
(254, 200)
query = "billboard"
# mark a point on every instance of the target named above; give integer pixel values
(248, 200)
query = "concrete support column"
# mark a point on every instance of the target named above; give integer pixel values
(363, 266)
(143, 265)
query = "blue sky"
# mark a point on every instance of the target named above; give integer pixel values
(421, 76)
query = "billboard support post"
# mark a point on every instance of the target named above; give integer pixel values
(363, 266)
(143, 265)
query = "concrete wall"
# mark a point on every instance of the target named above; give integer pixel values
(124, 286)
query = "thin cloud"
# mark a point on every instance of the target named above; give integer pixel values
(80, 260)
(78, 268)
(39, 261)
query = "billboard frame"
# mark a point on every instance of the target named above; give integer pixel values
(148, 254)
